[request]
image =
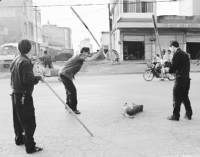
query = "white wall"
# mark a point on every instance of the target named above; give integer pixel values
(186, 7)
(190, 7)
(57, 36)
(6, 11)
(105, 38)
(196, 5)
(167, 8)
(181, 7)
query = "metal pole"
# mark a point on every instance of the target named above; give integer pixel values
(156, 33)
(69, 109)
(110, 28)
(110, 32)
(36, 32)
(85, 26)
(158, 41)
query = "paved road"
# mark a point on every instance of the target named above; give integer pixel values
(149, 134)
(105, 67)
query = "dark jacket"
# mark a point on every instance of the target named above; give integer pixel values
(22, 77)
(71, 67)
(47, 61)
(180, 64)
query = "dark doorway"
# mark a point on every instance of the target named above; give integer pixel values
(193, 48)
(133, 50)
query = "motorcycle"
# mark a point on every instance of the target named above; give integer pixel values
(155, 70)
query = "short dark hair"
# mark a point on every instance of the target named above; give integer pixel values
(174, 43)
(85, 49)
(24, 46)
(45, 51)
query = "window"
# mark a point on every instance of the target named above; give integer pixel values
(125, 6)
(150, 7)
(137, 6)
(129, 6)
(144, 7)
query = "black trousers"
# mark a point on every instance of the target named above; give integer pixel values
(180, 95)
(71, 93)
(24, 119)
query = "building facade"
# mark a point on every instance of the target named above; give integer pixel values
(133, 30)
(55, 36)
(105, 40)
(20, 20)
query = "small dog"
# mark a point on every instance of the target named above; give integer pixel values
(130, 110)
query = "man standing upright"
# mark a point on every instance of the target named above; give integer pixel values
(181, 67)
(22, 83)
(46, 60)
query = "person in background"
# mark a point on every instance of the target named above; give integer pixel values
(46, 60)
(167, 59)
(162, 64)
(157, 63)
(22, 83)
(163, 53)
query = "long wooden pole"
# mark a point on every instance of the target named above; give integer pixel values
(68, 108)
(85, 26)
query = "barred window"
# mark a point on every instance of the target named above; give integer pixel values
(137, 6)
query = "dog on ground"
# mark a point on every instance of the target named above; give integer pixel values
(131, 109)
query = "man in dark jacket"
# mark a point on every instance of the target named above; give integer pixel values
(22, 83)
(181, 67)
(67, 73)
(46, 60)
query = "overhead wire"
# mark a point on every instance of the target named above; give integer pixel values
(82, 4)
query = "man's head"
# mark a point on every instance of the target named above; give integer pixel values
(45, 52)
(157, 55)
(174, 45)
(24, 46)
(85, 51)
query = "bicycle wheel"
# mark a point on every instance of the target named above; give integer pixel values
(148, 75)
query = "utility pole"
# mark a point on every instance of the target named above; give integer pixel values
(36, 32)
(110, 29)
(156, 33)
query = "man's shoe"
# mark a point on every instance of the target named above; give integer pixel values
(162, 79)
(173, 118)
(19, 143)
(77, 112)
(34, 150)
(188, 117)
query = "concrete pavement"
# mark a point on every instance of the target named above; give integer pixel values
(149, 134)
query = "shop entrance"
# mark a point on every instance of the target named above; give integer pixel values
(133, 50)
(193, 48)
